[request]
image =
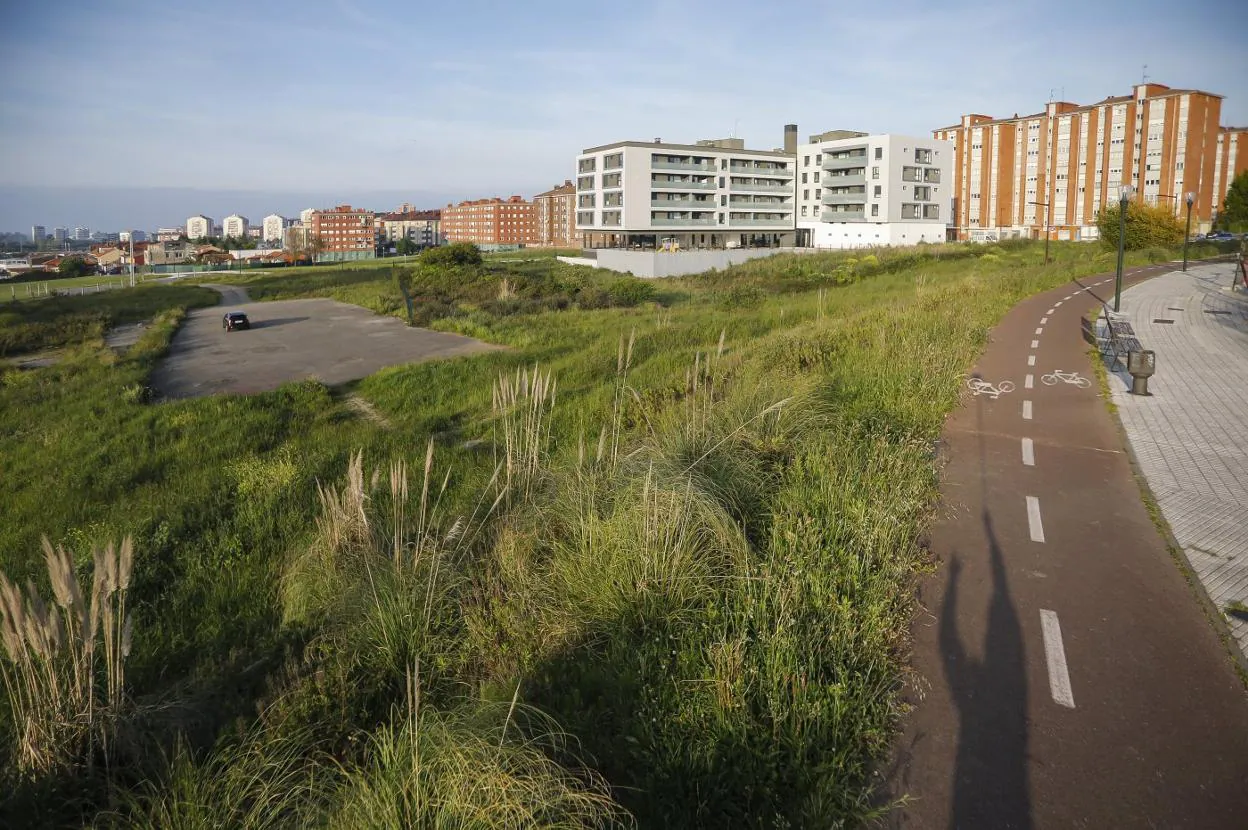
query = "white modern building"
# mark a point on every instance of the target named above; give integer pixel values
(198, 227)
(857, 190)
(38, 233)
(712, 194)
(234, 226)
(305, 216)
(274, 227)
(60, 234)
(136, 236)
(81, 234)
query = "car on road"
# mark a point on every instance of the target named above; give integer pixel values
(1221, 236)
(235, 320)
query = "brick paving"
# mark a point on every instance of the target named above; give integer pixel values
(1191, 435)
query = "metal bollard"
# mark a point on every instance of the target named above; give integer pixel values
(1141, 366)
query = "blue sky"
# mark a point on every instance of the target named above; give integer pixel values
(268, 103)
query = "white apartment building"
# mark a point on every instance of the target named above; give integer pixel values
(234, 226)
(198, 227)
(127, 236)
(712, 194)
(81, 234)
(857, 190)
(274, 227)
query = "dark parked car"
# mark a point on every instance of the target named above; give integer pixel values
(235, 320)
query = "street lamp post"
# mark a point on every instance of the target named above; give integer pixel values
(1048, 217)
(1124, 197)
(1189, 197)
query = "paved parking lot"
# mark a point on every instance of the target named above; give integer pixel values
(292, 340)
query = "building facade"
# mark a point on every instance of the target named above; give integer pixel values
(856, 190)
(422, 227)
(710, 194)
(60, 234)
(38, 233)
(343, 233)
(170, 234)
(1013, 177)
(199, 227)
(169, 253)
(235, 226)
(556, 217)
(81, 234)
(491, 222)
(1230, 159)
(136, 236)
(274, 228)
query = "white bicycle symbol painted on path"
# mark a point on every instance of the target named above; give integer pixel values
(1058, 376)
(979, 386)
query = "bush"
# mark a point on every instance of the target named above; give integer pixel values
(741, 296)
(628, 292)
(460, 254)
(1147, 226)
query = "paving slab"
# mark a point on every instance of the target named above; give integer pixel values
(293, 340)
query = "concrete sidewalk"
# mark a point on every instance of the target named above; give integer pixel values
(1190, 437)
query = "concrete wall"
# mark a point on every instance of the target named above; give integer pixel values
(656, 264)
(868, 234)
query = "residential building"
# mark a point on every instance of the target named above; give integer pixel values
(490, 221)
(857, 190)
(712, 194)
(305, 217)
(235, 226)
(60, 234)
(170, 234)
(1230, 159)
(170, 253)
(274, 227)
(1013, 177)
(423, 227)
(199, 227)
(556, 217)
(137, 236)
(343, 233)
(38, 233)
(81, 234)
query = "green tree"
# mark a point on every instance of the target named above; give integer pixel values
(459, 254)
(75, 266)
(1235, 207)
(1147, 226)
(406, 247)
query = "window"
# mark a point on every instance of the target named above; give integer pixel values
(585, 183)
(585, 217)
(803, 178)
(803, 210)
(723, 200)
(818, 160)
(611, 180)
(806, 162)
(816, 193)
(721, 181)
(875, 172)
(875, 210)
(879, 152)
(723, 164)
(816, 177)
(613, 161)
(806, 194)
(878, 190)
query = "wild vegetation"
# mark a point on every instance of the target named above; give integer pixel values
(652, 564)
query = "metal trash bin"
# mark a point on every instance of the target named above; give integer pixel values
(1141, 366)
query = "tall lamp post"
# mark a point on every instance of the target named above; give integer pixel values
(1048, 217)
(1124, 198)
(1188, 197)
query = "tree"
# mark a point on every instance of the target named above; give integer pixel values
(1235, 207)
(406, 246)
(1147, 226)
(458, 254)
(75, 266)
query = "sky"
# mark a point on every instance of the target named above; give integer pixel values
(136, 113)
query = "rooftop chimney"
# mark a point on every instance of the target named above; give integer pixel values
(790, 139)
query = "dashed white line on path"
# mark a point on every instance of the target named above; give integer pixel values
(1031, 360)
(1029, 453)
(1055, 656)
(1050, 311)
(1026, 410)
(1058, 304)
(1035, 344)
(1044, 320)
(1029, 382)
(1034, 525)
(1040, 330)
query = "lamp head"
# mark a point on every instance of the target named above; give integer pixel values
(1189, 197)
(1124, 195)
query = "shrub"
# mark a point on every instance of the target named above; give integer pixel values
(741, 296)
(628, 292)
(458, 254)
(1146, 226)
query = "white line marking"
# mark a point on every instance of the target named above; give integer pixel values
(1050, 311)
(1031, 360)
(1029, 382)
(1055, 656)
(1035, 344)
(1029, 453)
(1040, 331)
(1026, 410)
(1033, 519)
(1058, 304)
(1044, 321)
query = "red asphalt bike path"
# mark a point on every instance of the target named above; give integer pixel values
(1065, 673)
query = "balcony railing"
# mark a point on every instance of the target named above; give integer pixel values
(666, 222)
(841, 216)
(656, 184)
(762, 187)
(750, 170)
(778, 222)
(705, 167)
(682, 204)
(740, 205)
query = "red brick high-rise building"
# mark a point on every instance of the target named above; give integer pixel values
(491, 222)
(556, 217)
(344, 232)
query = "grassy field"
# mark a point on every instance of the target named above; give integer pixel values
(652, 564)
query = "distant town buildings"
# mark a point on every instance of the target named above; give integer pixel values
(274, 227)
(491, 221)
(38, 233)
(857, 190)
(137, 236)
(169, 234)
(81, 234)
(556, 217)
(199, 227)
(235, 226)
(60, 234)
(422, 227)
(343, 233)
(1015, 176)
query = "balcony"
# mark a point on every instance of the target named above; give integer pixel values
(693, 166)
(759, 222)
(831, 197)
(840, 160)
(849, 177)
(932, 175)
(739, 204)
(842, 216)
(658, 184)
(760, 187)
(757, 170)
(682, 204)
(670, 223)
